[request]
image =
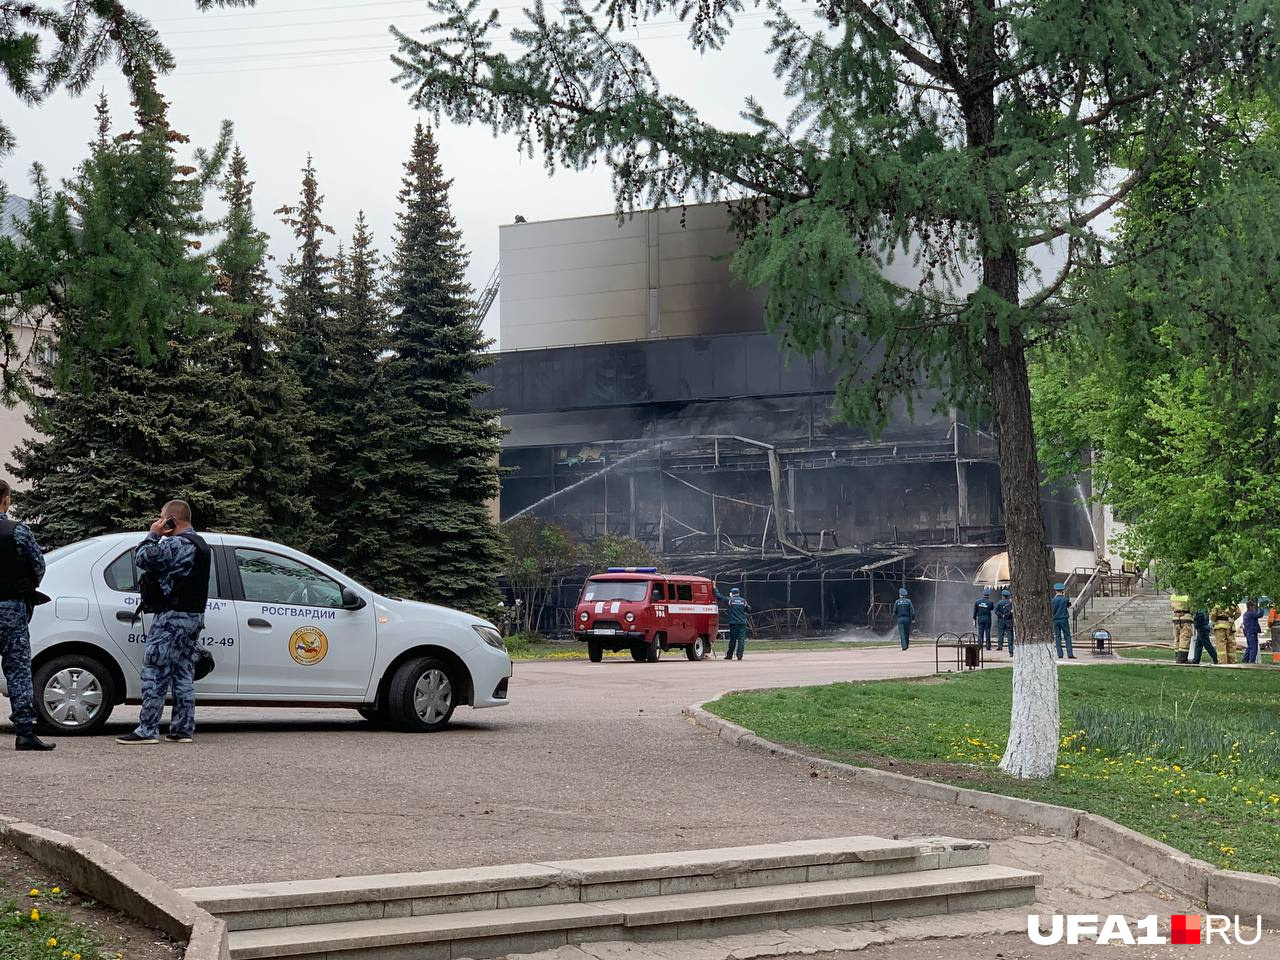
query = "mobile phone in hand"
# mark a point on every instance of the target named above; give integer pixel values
(169, 524)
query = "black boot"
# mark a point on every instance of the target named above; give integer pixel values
(1182, 657)
(27, 740)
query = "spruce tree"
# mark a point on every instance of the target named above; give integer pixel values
(119, 436)
(432, 488)
(305, 328)
(262, 388)
(360, 430)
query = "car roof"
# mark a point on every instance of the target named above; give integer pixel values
(649, 576)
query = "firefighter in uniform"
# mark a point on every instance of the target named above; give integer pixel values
(21, 569)
(1183, 622)
(1224, 631)
(1104, 576)
(904, 613)
(175, 562)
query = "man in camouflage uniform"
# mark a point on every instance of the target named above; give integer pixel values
(21, 570)
(176, 559)
(1183, 621)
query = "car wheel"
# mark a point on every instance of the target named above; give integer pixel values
(74, 694)
(422, 695)
(696, 650)
(655, 651)
(595, 652)
(639, 652)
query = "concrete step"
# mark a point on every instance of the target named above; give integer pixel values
(389, 896)
(492, 933)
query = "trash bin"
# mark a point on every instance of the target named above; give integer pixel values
(1101, 643)
(971, 654)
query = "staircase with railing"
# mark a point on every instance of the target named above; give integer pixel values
(490, 293)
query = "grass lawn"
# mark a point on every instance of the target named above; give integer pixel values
(578, 651)
(32, 928)
(1191, 757)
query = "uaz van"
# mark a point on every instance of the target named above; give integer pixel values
(646, 612)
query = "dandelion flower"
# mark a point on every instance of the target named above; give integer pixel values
(56, 890)
(34, 892)
(52, 942)
(35, 914)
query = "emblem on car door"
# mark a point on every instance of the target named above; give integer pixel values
(308, 645)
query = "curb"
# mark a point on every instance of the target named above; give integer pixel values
(107, 876)
(1222, 891)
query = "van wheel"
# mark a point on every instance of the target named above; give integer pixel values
(655, 651)
(639, 652)
(74, 695)
(422, 695)
(696, 650)
(595, 652)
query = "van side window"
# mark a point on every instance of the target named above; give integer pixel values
(684, 591)
(657, 594)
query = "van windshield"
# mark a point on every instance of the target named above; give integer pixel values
(629, 590)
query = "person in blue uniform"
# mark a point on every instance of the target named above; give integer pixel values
(1203, 637)
(904, 612)
(21, 570)
(174, 561)
(983, 608)
(1004, 621)
(1061, 605)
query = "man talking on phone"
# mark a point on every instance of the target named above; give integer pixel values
(174, 561)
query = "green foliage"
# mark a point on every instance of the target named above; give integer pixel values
(24, 937)
(256, 383)
(611, 551)
(1248, 747)
(361, 434)
(305, 333)
(536, 550)
(119, 436)
(45, 48)
(1179, 402)
(437, 470)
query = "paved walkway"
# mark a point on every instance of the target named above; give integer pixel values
(590, 760)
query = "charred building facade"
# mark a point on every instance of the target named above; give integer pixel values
(644, 398)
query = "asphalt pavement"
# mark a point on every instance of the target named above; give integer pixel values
(588, 760)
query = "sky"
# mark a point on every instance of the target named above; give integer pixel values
(314, 76)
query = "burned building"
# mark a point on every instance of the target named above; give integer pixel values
(643, 397)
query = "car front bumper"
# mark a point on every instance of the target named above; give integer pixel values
(491, 674)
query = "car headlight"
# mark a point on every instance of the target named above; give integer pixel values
(490, 636)
(583, 616)
(631, 618)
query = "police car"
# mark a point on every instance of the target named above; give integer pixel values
(284, 629)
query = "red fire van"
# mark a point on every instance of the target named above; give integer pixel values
(646, 612)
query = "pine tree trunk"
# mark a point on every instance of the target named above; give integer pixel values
(1032, 749)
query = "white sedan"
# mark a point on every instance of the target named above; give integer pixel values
(284, 630)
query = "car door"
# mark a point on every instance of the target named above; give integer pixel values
(297, 639)
(115, 583)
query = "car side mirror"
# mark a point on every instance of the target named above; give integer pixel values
(351, 600)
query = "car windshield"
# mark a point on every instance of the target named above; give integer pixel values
(631, 590)
(61, 553)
